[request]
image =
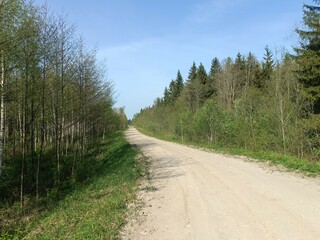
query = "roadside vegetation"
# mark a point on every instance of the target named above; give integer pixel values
(65, 170)
(93, 208)
(291, 163)
(268, 109)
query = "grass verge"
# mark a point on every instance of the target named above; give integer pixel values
(96, 208)
(291, 163)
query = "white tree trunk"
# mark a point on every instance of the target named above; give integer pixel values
(1, 113)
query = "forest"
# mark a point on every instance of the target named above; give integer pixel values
(56, 102)
(269, 105)
(57, 114)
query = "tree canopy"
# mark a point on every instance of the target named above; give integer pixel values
(308, 54)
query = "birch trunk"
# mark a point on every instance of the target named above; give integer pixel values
(2, 113)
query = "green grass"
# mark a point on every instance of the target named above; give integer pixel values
(292, 163)
(96, 208)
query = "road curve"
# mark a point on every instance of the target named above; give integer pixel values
(203, 195)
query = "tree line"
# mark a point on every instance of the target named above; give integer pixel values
(269, 105)
(55, 101)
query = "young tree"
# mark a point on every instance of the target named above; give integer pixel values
(282, 91)
(228, 85)
(47, 30)
(1, 111)
(209, 121)
(9, 19)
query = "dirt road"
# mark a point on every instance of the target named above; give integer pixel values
(202, 195)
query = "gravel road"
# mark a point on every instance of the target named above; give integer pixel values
(202, 195)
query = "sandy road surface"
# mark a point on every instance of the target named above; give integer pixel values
(202, 195)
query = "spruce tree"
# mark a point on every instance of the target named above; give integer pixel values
(308, 54)
(239, 70)
(166, 95)
(178, 85)
(253, 71)
(267, 67)
(202, 85)
(192, 73)
(215, 70)
(202, 76)
(190, 89)
(172, 92)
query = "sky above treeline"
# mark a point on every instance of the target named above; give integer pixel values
(145, 42)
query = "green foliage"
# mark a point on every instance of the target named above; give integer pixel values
(290, 162)
(190, 90)
(202, 85)
(250, 105)
(308, 61)
(210, 122)
(184, 126)
(308, 55)
(215, 70)
(311, 140)
(267, 68)
(94, 209)
(56, 97)
(173, 92)
(58, 104)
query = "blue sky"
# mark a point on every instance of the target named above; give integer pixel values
(145, 42)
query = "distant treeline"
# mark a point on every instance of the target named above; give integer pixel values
(268, 105)
(55, 102)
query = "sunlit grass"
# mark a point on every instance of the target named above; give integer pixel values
(96, 208)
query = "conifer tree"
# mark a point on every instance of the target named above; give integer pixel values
(253, 71)
(190, 90)
(192, 73)
(239, 70)
(308, 54)
(215, 70)
(178, 84)
(166, 95)
(202, 85)
(267, 67)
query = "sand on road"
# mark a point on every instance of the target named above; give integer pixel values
(202, 195)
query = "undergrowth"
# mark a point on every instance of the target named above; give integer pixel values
(92, 209)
